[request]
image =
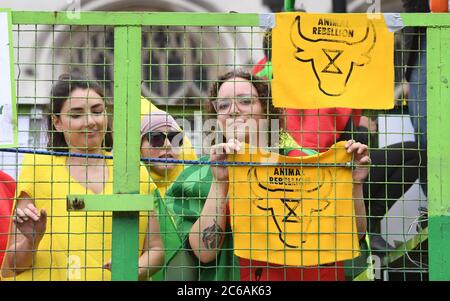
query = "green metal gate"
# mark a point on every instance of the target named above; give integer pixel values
(128, 29)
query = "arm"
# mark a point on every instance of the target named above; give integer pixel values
(360, 210)
(207, 234)
(152, 258)
(26, 233)
(362, 160)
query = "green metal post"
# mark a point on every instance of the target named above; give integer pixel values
(289, 5)
(127, 83)
(438, 110)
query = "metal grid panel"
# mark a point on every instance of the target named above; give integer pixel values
(178, 66)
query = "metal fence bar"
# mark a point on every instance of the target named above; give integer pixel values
(426, 19)
(127, 81)
(438, 108)
(186, 19)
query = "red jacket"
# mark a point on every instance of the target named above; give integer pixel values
(7, 190)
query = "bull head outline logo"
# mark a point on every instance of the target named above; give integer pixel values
(292, 215)
(340, 65)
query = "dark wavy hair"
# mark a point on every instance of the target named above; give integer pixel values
(60, 92)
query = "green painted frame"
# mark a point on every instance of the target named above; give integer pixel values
(127, 124)
(126, 164)
(115, 202)
(438, 108)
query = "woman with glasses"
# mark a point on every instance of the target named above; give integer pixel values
(240, 102)
(48, 243)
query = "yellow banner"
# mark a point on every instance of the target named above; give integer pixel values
(293, 215)
(332, 60)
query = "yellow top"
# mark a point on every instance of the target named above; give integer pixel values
(76, 244)
(187, 153)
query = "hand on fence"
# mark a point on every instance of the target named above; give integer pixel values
(360, 158)
(219, 153)
(30, 222)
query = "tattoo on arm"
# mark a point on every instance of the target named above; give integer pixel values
(212, 235)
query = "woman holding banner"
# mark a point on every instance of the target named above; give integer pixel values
(199, 196)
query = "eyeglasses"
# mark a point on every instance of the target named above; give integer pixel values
(243, 103)
(158, 139)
